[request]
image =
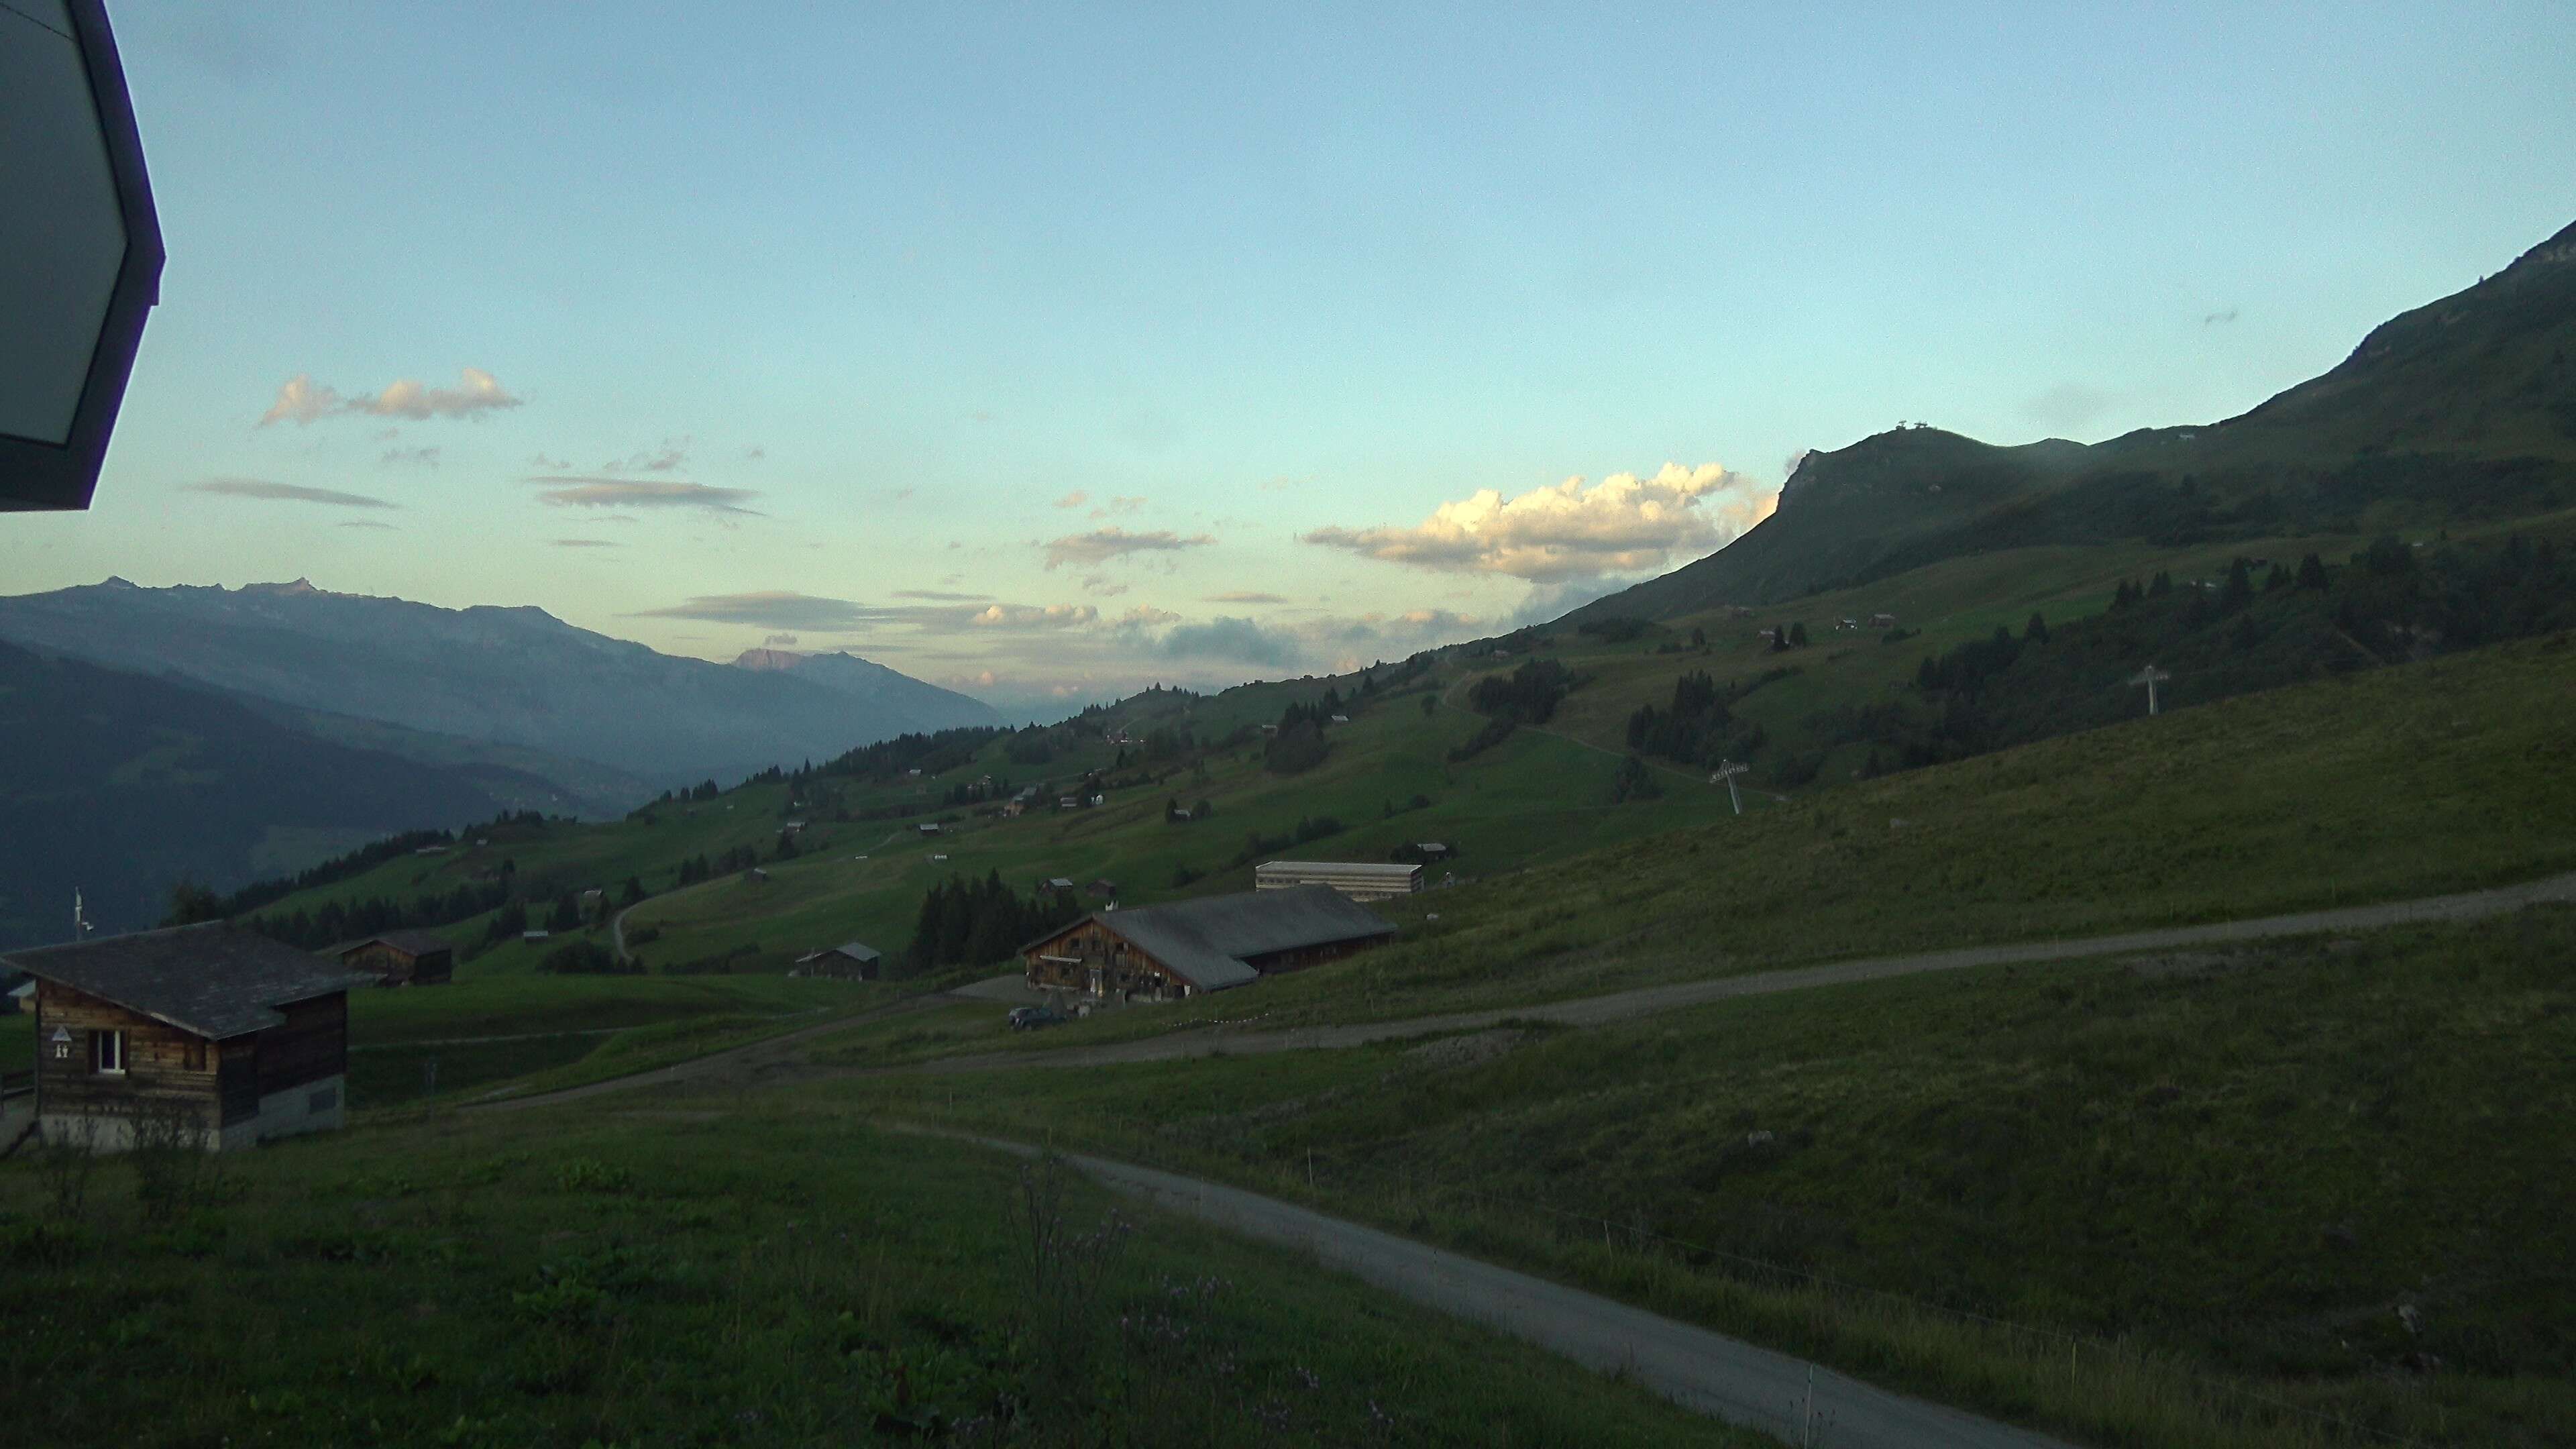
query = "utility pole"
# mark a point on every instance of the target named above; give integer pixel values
(2150, 676)
(1727, 770)
(80, 917)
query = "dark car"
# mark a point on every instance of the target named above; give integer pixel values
(1030, 1018)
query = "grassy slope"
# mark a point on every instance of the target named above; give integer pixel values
(1532, 798)
(2396, 783)
(550, 1023)
(2247, 1161)
(711, 1277)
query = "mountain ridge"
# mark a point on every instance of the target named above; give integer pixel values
(503, 675)
(2464, 407)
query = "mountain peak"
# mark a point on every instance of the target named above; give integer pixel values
(769, 659)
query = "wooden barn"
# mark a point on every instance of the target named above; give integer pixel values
(401, 958)
(1164, 953)
(848, 961)
(225, 1031)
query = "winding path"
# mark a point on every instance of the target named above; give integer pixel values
(1710, 1373)
(1704, 1371)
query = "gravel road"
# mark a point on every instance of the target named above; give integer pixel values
(1703, 1371)
(1652, 1000)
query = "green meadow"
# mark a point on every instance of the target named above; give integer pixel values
(719, 1273)
(2202, 1198)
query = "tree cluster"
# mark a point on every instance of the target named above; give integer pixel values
(1528, 695)
(968, 923)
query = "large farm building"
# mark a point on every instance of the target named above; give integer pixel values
(1361, 880)
(1163, 953)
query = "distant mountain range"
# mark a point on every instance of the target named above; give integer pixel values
(515, 678)
(119, 784)
(219, 735)
(2458, 410)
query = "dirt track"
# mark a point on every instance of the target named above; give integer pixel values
(1708, 1372)
(778, 1056)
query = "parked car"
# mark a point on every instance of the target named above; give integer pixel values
(1031, 1018)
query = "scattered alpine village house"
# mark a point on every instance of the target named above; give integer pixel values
(1187, 948)
(1361, 880)
(217, 1032)
(848, 961)
(400, 958)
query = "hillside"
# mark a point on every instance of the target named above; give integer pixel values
(515, 677)
(119, 784)
(2464, 409)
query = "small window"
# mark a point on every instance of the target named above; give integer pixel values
(107, 1052)
(194, 1055)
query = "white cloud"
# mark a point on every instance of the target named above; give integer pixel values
(286, 493)
(302, 400)
(1025, 616)
(1074, 499)
(768, 608)
(1623, 524)
(1090, 550)
(583, 491)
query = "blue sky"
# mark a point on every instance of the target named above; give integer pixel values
(819, 318)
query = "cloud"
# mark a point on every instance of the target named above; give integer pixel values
(1099, 546)
(769, 609)
(671, 457)
(544, 464)
(754, 453)
(365, 523)
(2219, 319)
(584, 543)
(1100, 584)
(425, 457)
(286, 492)
(1074, 499)
(1118, 505)
(590, 491)
(1623, 524)
(1239, 640)
(1241, 596)
(302, 400)
(1024, 616)
(778, 641)
(937, 597)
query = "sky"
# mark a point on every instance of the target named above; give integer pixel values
(1049, 351)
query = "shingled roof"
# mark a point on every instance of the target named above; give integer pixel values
(1208, 940)
(215, 980)
(410, 943)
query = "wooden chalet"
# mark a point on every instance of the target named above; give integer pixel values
(1216, 943)
(242, 1038)
(848, 961)
(401, 958)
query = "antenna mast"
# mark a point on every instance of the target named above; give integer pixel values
(2150, 676)
(1727, 770)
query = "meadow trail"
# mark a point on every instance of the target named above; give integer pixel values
(1706, 1372)
(777, 1056)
